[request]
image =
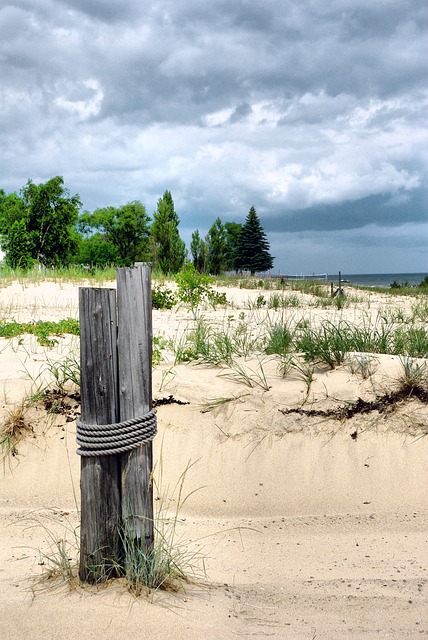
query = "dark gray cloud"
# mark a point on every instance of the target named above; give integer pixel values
(314, 112)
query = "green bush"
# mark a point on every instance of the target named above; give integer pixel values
(194, 288)
(163, 298)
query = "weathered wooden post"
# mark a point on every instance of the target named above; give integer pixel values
(100, 495)
(117, 423)
(135, 397)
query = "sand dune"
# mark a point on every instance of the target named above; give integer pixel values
(309, 526)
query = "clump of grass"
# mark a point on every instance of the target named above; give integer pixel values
(168, 564)
(215, 346)
(363, 364)
(248, 376)
(414, 373)
(412, 341)
(327, 344)
(60, 561)
(215, 403)
(420, 310)
(258, 303)
(16, 425)
(280, 339)
(64, 373)
(282, 301)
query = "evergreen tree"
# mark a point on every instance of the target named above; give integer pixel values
(198, 249)
(168, 249)
(233, 231)
(216, 244)
(18, 250)
(253, 248)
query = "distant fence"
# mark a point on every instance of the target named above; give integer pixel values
(301, 276)
(281, 276)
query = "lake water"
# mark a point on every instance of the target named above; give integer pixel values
(379, 279)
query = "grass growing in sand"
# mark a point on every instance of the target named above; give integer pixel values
(16, 425)
(168, 565)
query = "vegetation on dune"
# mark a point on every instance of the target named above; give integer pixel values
(273, 326)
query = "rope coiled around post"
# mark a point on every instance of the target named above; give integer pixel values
(109, 439)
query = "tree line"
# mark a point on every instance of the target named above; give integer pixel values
(43, 223)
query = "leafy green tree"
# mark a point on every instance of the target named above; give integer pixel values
(97, 251)
(253, 248)
(198, 249)
(47, 215)
(233, 231)
(124, 231)
(216, 243)
(168, 249)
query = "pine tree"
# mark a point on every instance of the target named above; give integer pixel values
(253, 248)
(169, 250)
(216, 243)
(198, 249)
(233, 231)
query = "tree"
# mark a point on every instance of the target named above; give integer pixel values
(18, 253)
(233, 231)
(216, 243)
(124, 231)
(168, 249)
(97, 251)
(198, 249)
(47, 215)
(253, 248)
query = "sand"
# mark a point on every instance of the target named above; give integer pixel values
(308, 526)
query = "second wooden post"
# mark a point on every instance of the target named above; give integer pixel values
(135, 397)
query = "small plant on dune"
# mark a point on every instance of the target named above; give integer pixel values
(215, 403)
(285, 365)
(248, 376)
(420, 310)
(340, 301)
(14, 428)
(280, 339)
(43, 330)
(365, 365)
(60, 561)
(305, 372)
(412, 341)
(65, 373)
(195, 288)
(163, 298)
(168, 376)
(328, 344)
(159, 345)
(414, 373)
(282, 301)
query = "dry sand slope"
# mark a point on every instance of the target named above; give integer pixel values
(309, 526)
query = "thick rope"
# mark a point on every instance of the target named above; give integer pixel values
(109, 439)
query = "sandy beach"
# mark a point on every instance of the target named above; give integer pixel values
(303, 523)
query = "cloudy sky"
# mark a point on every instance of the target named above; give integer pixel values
(313, 111)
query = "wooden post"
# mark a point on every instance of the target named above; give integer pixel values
(99, 483)
(135, 397)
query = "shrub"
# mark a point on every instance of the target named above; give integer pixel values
(162, 298)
